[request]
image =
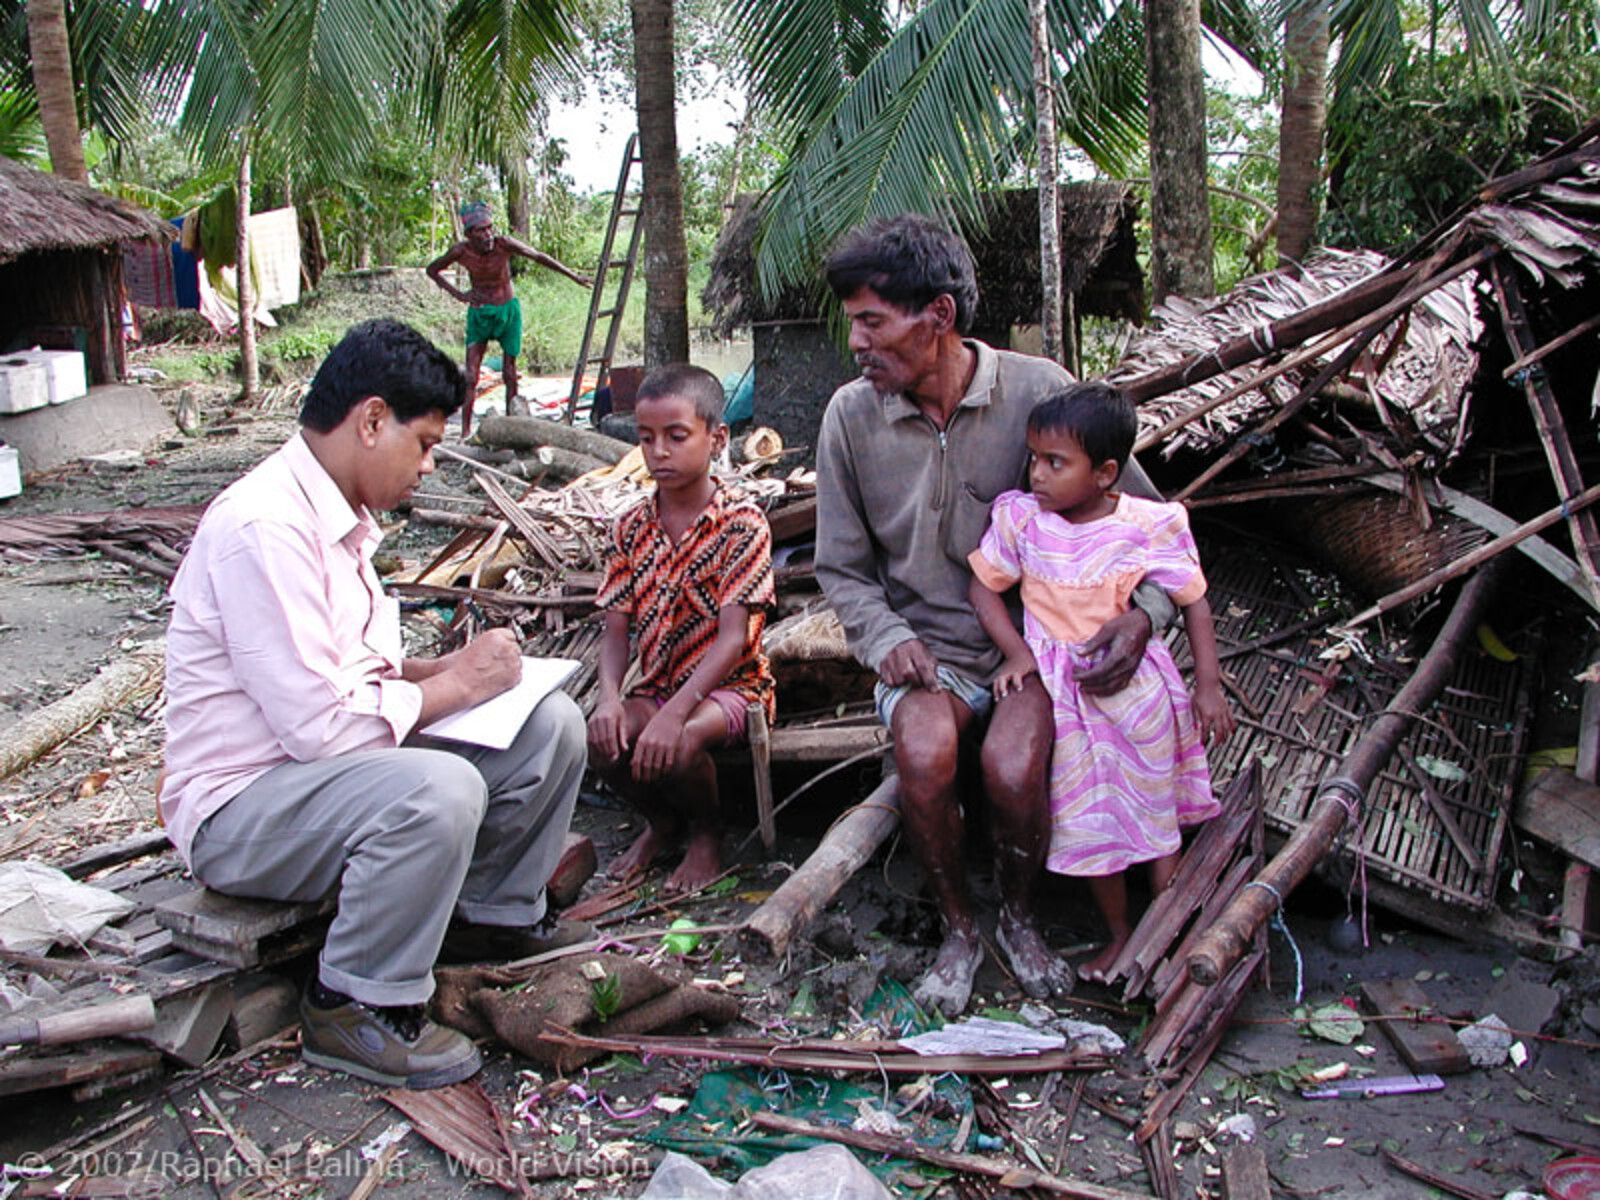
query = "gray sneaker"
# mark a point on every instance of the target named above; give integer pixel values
(395, 1046)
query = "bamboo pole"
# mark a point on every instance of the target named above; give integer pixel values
(849, 843)
(1284, 334)
(1339, 797)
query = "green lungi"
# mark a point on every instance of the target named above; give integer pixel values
(496, 322)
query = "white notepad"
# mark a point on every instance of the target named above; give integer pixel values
(496, 721)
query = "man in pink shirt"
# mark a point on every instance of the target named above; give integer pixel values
(294, 769)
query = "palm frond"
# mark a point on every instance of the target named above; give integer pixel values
(803, 54)
(943, 115)
(21, 133)
(322, 65)
(498, 62)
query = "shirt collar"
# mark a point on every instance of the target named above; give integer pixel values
(712, 510)
(896, 407)
(335, 519)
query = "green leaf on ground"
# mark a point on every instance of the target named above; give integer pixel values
(1335, 1023)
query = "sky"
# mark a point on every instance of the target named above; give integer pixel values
(596, 132)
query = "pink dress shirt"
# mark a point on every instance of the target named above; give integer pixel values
(282, 645)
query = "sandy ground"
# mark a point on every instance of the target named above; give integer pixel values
(64, 617)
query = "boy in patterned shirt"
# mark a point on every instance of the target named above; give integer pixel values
(690, 574)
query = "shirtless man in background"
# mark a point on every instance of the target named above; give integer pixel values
(493, 312)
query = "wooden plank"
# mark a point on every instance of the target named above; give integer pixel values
(1428, 1048)
(761, 764)
(237, 931)
(218, 918)
(793, 520)
(37, 1072)
(1244, 1172)
(828, 744)
(1563, 810)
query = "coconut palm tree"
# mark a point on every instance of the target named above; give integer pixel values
(52, 82)
(291, 81)
(935, 114)
(666, 256)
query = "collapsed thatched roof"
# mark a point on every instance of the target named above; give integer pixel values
(1425, 376)
(1099, 254)
(45, 212)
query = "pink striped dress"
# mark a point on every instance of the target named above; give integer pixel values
(1129, 770)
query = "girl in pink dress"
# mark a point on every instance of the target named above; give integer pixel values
(1129, 769)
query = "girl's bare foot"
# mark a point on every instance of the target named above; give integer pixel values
(702, 862)
(947, 987)
(1098, 968)
(637, 858)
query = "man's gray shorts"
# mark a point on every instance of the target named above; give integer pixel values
(976, 696)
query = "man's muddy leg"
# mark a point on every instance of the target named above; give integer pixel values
(1016, 773)
(927, 728)
(474, 365)
(515, 406)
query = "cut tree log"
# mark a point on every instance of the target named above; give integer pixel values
(1338, 799)
(528, 433)
(118, 684)
(852, 840)
(556, 464)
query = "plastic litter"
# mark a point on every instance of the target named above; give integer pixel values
(41, 906)
(1487, 1041)
(821, 1173)
(983, 1035)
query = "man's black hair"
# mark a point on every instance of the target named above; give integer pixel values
(910, 261)
(697, 385)
(388, 359)
(1097, 416)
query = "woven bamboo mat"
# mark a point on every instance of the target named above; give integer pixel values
(1309, 712)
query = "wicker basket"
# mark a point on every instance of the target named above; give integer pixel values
(1374, 541)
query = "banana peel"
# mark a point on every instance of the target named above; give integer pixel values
(1493, 646)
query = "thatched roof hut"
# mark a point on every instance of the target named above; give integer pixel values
(1099, 256)
(61, 264)
(798, 364)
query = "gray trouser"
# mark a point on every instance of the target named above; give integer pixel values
(405, 837)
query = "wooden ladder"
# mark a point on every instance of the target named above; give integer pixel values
(623, 206)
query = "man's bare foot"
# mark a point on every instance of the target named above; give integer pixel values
(702, 862)
(947, 986)
(636, 859)
(1041, 972)
(1098, 968)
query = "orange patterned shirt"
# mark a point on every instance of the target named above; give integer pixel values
(673, 593)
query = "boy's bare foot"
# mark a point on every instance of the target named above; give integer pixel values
(1098, 968)
(1041, 972)
(947, 986)
(636, 859)
(702, 862)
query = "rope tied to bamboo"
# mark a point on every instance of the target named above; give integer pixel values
(1277, 922)
(1349, 794)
